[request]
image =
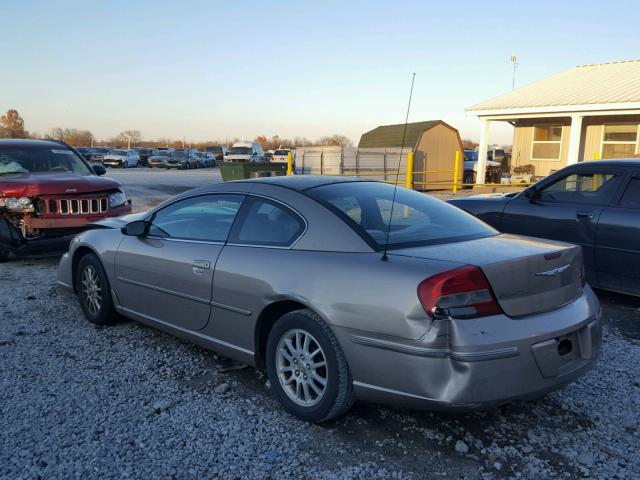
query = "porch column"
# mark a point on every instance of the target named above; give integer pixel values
(574, 139)
(482, 150)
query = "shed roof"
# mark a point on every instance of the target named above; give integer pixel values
(616, 83)
(391, 135)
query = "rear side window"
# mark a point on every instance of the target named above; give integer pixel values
(587, 188)
(415, 219)
(631, 197)
(207, 218)
(267, 223)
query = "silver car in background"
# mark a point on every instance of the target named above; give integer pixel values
(121, 158)
(290, 274)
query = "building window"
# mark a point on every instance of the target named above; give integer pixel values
(620, 141)
(547, 140)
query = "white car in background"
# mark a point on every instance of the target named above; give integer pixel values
(281, 155)
(245, 152)
(121, 158)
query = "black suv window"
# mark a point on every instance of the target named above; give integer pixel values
(207, 217)
(267, 223)
(631, 197)
(596, 188)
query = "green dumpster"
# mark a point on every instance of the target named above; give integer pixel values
(243, 170)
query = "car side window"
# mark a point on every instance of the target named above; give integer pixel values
(594, 188)
(267, 223)
(206, 218)
(631, 196)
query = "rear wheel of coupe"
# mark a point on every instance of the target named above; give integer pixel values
(307, 368)
(94, 291)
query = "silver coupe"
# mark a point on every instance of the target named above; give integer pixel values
(342, 292)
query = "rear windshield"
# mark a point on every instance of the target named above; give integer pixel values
(41, 160)
(416, 219)
(214, 149)
(119, 152)
(281, 152)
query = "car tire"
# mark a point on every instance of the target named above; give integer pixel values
(298, 385)
(94, 291)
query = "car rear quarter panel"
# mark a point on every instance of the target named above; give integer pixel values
(359, 291)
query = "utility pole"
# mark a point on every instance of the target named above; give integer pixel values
(514, 64)
(129, 142)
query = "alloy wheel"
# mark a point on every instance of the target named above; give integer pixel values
(301, 366)
(91, 289)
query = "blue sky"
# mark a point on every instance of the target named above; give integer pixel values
(206, 70)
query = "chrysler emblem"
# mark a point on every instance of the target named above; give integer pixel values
(553, 272)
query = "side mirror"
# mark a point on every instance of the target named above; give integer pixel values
(531, 193)
(135, 229)
(99, 170)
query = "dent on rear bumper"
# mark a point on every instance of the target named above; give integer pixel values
(467, 364)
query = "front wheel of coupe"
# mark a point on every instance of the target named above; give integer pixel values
(94, 291)
(307, 368)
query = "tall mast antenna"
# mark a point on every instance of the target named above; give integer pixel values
(395, 187)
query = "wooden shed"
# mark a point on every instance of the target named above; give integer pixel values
(434, 144)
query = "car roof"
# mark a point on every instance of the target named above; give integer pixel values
(301, 182)
(29, 142)
(623, 162)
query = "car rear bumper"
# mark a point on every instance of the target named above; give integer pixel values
(479, 363)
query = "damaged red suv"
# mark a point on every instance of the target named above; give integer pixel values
(48, 193)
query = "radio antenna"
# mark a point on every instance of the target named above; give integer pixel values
(395, 187)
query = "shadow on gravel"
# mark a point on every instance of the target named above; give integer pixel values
(622, 312)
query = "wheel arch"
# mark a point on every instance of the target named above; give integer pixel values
(77, 256)
(267, 318)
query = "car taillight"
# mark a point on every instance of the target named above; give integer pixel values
(460, 293)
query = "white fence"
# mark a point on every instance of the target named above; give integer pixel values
(374, 163)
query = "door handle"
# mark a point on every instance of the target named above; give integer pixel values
(201, 264)
(584, 215)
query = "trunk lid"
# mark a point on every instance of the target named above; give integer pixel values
(527, 275)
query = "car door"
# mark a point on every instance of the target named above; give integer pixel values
(617, 252)
(566, 209)
(264, 232)
(166, 275)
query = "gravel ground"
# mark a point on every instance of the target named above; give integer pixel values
(78, 401)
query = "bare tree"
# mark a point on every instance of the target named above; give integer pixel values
(55, 133)
(337, 140)
(12, 125)
(123, 137)
(77, 138)
(468, 143)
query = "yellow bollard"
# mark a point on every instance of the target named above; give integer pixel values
(408, 182)
(289, 164)
(596, 155)
(456, 170)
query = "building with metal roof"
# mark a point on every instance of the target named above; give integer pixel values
(584, 113)
(434, 144)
